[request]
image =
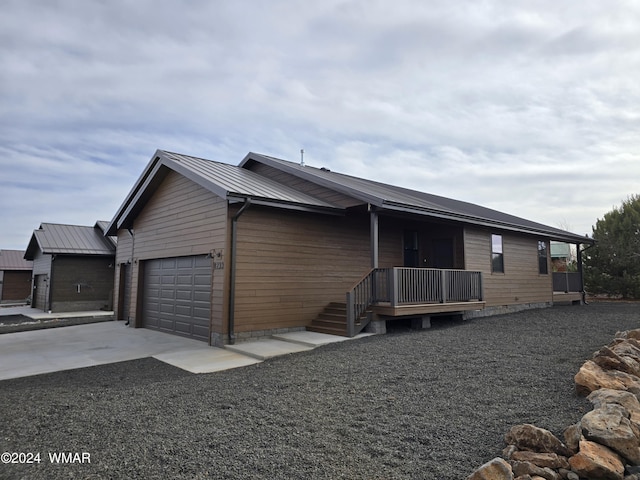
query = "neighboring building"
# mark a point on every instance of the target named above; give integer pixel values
(15, 276)
(223, 253)
(72, 267)
(560, 256)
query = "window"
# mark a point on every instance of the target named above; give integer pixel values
(543, 268)
(497, 256)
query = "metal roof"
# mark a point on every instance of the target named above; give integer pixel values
(230, 181)
(54, 238)
(226, 181)
(235, 183)
(389, 197)
(14, 260)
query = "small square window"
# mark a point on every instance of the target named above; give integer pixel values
(497, 255)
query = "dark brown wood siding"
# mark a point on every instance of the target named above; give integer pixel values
(180, 219)
(521, 283)
(290, 265)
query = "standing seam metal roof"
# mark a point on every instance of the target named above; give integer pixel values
(14, 260)
(234, 181)
(54, 238)
(412, 201)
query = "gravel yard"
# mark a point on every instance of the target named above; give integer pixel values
(431, 404)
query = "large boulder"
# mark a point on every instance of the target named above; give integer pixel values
(623, 355)
(597, 462)
(496, 469)
(593, 377)
(628, 400)
(535, 439)
(609, 425)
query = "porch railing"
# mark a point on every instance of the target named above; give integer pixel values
(567, 282)
(406, 286)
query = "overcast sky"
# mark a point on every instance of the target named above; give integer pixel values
(532, 108)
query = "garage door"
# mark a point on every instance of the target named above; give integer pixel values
(177, 296)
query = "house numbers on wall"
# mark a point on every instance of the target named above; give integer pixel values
(218, 265)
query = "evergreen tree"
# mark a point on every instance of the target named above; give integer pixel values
(612, 266)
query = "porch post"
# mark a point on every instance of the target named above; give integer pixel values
(374, 236)
(580, 271)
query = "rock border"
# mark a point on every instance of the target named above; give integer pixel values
(603, 445)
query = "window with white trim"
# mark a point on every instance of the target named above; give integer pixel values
(497, 254)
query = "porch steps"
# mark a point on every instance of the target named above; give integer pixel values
(332, 320)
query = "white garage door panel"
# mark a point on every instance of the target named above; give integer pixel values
(177, 296)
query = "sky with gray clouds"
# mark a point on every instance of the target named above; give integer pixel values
(532, 108)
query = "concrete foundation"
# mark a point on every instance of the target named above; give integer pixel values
(377, 326)
(503, 310)
(220, 340)
(421, 322)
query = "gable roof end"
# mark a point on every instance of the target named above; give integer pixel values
(54, 239)
(224, 180)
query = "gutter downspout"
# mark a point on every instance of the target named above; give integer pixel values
(133, 244)
(50, 285)
(232, 272)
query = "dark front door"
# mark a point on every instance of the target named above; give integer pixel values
(443, 253)
(411, 249)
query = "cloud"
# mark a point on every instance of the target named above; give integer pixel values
(528, 108)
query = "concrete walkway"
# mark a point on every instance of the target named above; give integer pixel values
(65, 348)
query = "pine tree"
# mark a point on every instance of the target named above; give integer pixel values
(612, 266)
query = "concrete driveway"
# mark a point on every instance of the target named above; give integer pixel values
(64, 348)
(53, 349)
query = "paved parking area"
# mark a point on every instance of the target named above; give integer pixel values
(65, 348)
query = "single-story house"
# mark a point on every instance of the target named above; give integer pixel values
(224, 253)
(72, 267)
(15, 276)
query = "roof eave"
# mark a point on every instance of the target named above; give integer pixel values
(269, 202)
(483, 222)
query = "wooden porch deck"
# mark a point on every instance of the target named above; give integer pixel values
(386, 309)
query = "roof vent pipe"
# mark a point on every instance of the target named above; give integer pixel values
(302, 157)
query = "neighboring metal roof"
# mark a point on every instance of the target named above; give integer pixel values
(14, 260)
(54, 238)
(394, 198)
(226, 181)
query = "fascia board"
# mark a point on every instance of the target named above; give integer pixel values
(487, 223)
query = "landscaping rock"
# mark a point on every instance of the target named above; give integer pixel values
(535, 439)
(609, 425)
(550, 460)
(597, 462)
(528, 468)
(496, 469)
(593, 377)
(628, 400)
(572, 436)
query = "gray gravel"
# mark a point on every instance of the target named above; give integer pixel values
(431, 404)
